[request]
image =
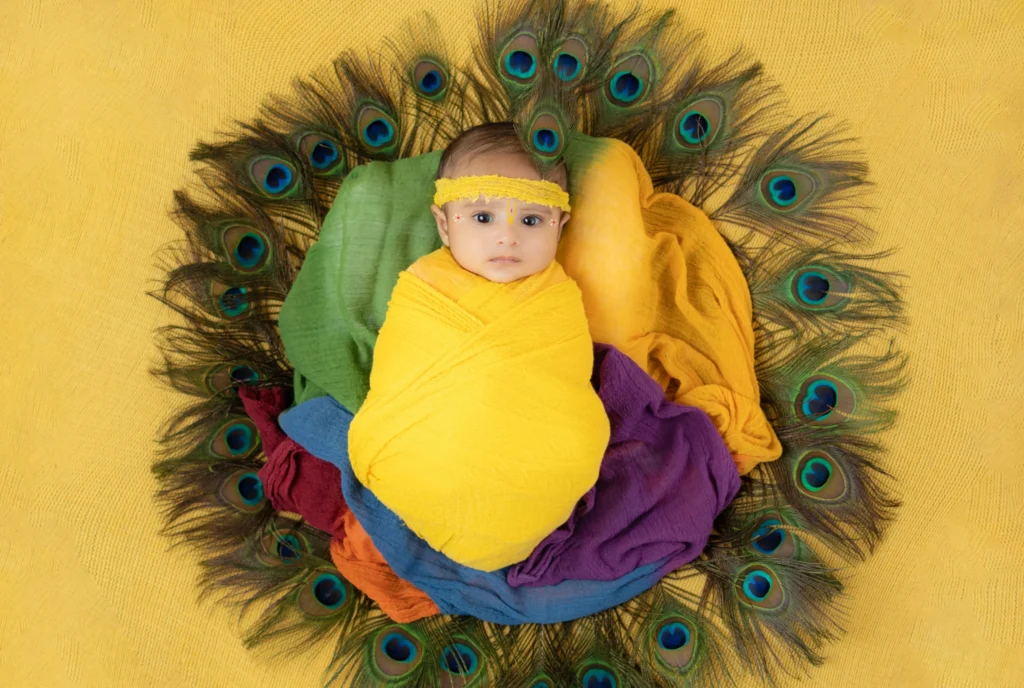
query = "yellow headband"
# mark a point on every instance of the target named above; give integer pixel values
(492, 186)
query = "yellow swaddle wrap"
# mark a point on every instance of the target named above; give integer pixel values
(481, 429)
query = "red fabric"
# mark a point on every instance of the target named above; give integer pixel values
(294, 480)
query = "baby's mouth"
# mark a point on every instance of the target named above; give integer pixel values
(505, 260)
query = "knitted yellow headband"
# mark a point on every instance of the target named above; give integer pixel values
(492, 186)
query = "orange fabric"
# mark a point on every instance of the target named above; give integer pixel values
(362, 565)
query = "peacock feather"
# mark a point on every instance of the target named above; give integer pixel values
(804, 184)
(787, 194)
(811, 292)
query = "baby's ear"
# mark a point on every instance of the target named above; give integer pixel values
(442, 222)
(561, 223)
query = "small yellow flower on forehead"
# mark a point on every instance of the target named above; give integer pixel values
(494, 186)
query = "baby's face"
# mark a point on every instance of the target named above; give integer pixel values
(504, 239)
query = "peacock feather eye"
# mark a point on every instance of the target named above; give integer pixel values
(233, 301)
(629, 80)
(430, 79)
(824, 399)
(699, 123)
(674, 643)
(396, 652)
(243, 491)
(288, 547)
(570, 61)
(243, 375)
(546, 137)
(542, 682)
(273, 177)
(598, 676)
(818, 476)
(460, 659)
(227, 377)
(235, 439)
(323, 594)
(787, 190)
(377, 130)
(758, 586)
(518, 61)
(770, 538)
(250, 488)
(323, 153)
(567, 66)
(246, 248)
(229, 301)
(283, 545)
(819, 288)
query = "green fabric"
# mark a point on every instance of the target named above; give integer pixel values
(379, 225)
(305, 390)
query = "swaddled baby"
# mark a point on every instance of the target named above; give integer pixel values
(481, 429)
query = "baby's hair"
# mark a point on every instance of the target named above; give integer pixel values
(493, 137)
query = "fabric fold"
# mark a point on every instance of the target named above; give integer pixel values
(481, 429)
(661, 284)
(293, 480)
(664, 479)
(322, 426)
(296, 481)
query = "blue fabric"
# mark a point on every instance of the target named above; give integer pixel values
(321, 426)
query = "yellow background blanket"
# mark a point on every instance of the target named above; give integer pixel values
(99, 105)
(481, 429)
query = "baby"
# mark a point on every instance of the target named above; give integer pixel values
(501, 239)
(481, 429)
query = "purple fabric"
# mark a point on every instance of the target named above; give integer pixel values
(664, 479)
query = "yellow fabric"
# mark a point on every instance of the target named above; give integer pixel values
(494, 186)
(481, 429)
(690, 327)
(99, 104)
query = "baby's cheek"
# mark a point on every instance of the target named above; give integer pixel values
(547, 247)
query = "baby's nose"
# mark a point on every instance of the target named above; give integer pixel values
(508, 234)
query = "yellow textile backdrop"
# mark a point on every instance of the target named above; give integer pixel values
(99, 105)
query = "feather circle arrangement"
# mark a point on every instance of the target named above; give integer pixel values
(583, 85)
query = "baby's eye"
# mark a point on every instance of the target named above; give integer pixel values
(483, 218)
(531, 220)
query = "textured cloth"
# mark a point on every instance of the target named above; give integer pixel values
(481, 429)
(664, 479)
(321, 426)
(294, 480)
(379, 224)
(661, 285)
(540, 192)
